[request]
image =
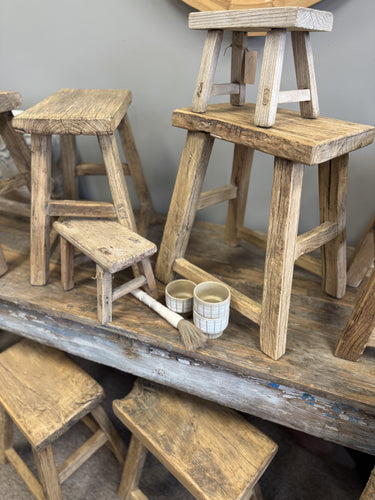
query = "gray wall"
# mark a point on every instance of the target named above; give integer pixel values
(146, 46)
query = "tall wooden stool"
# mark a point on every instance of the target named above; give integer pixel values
(68, 113)
(18, 150)
(113, 247)
(276, 22)
(44, 393)
(213, 451)
(294, 142)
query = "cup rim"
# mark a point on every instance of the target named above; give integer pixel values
(222, 285)
(173, 283)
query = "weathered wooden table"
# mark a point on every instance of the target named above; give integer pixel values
(307, 389)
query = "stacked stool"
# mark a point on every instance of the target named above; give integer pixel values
(294, 141)
(44, 393)
(68, 113)
(213, 451)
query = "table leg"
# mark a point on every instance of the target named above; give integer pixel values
(181, 214)
(41, 153)
(279, 265)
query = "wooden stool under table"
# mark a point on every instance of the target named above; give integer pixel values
(112, 247)
(276, 22)
(68, 113)
(213, 451)
(45, 393)
(294, 142)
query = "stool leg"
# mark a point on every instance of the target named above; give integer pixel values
(333, 177)
(269, 83)
(279, 265)
(241, 170)
(134, 463)
(181, 214)
(67, 264)
(104, 295)
(117, 444)
(116, 179)
(129, 147)
(3, 263)
(149, 275)
(68, 166)
(305, 72)
(239, 45)
(41, 151)
(6, 434)
(47, 472)
(207, 70)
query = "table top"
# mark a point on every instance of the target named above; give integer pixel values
(308, 388)
(302, 140)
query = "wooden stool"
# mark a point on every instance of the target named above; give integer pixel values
(293, 142)
(3, 263)
(213, 451)
(113, 247)
(18, 150)
(68, 113)
(44, 393)
(276, 21)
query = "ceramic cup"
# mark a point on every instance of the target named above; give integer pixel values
(179, 296)
(211, 327)
(211, 300)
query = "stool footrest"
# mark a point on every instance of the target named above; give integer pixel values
(225, 88)
(294, 96)
(246, 306)
(81, 208)
(215, 196)
(315, 238)
(128, 287)
(97, 169)
(26, 474)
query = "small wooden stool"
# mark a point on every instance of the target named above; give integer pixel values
(68, 113)
(44, 393)
(294, 142)
(276, 21)
(213, 451)
(18, 150)
(113, 247)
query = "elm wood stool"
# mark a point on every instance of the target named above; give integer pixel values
(113, 247)
(294, 142)
(45, 393)
(68, 113)
(213, 451)
(276, 22)
(18, 150)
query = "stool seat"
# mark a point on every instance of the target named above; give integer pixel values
(9, 100)
(76, 112)
(289, 18)
(108, 243)
(292, 137)
(47, 376)
(213, 451)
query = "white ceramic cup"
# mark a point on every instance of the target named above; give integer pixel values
(211, 327)
(211, 300)
(179, 295)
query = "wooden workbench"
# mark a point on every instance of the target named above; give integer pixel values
(307, 389)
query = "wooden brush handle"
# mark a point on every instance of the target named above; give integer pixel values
(172, 317)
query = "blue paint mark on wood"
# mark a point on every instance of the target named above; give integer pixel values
(310, 400)
(272, 384)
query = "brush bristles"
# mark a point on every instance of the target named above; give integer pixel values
(192, 336)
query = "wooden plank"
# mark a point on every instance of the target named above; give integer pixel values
(185, 198)
(84, 111)
(28, 477)
(333, 177)
(217, 195)
(270, 77)
(225, 88)
(207, 70)
(97, 169)
(315, 238)
(363, 255)
(80, 208)
(279, 265)
(240, 302)
(126, 288)
(303, 141)
(291, 18)
(293, 96)
(242, 4)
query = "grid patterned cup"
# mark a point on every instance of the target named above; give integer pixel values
(213, 327)
(211, 299)
(179, 296)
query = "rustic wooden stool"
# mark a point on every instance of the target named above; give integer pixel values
(294, 142)
(68, 113)
(213, 451)
(18, 150)
(113, 248)
(44, 393)
(276, 22)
